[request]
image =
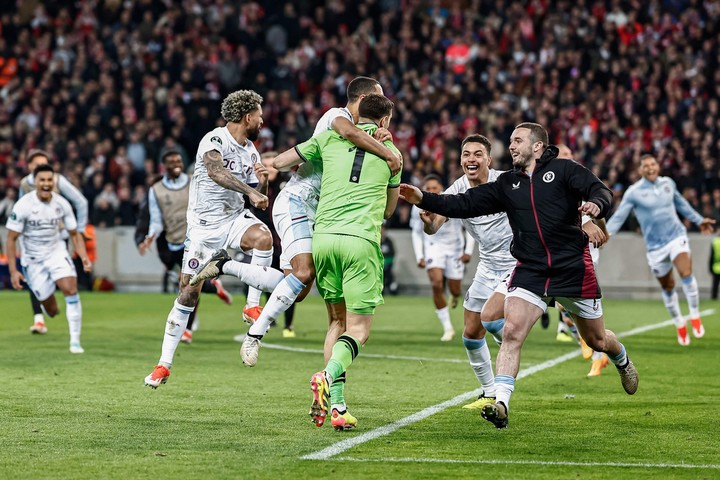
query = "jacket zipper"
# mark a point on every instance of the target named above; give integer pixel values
(542, 239)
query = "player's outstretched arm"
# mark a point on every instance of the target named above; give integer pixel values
(362, 140)
(410, 193)
(287, 160)
(16, 278)
(220, 175)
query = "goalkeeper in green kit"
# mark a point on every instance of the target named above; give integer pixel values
(357, 192)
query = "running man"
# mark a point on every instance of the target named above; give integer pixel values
(68, 191)
(227, 165)
(655, 202)
(443, 255)
(485, 298)
(38, 219)
(542, 197)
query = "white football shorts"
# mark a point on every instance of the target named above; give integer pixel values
(485, 283)
(42, 274)
(202, 242)
(661, 259)
(588, 308)
(293, 222)
(447, 260)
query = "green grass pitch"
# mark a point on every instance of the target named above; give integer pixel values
(66, 416)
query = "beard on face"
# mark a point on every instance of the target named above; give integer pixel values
(253, 133)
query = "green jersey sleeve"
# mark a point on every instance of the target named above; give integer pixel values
(309, 150)
(395, 179)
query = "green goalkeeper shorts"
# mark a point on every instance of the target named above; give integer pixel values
(349, 268)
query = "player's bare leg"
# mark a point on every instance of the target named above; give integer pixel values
(437, 282)
(455, 287)
(602, 340)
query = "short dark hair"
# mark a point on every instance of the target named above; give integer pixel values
(37, 152)
(360, 86)
(476, 138)
(647, 155)
(537, 132)
(45, 167)
(166, 152)
(432, 176)
(375, 107)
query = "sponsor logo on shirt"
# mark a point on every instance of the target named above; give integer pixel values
(216, 139)
(516, 185)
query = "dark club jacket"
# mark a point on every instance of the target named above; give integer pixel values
(548, 240)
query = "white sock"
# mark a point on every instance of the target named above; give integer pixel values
(597, 356)
(39, 318)
(504, 386)
(73, 311)
(673, 307)
(282, 297)
(261, 258)
(260, 279)
(177, 320)
(481, 363)
(690, 289)
(443, 315)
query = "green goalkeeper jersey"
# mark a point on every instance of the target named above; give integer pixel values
(353, 191)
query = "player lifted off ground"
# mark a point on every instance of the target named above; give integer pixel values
(656, 201)
(38, 219)
(485, 299)
(68, 191)
(294, 213)
(227, 166)
(443, 255)
(167, 224)
(357, 193)
(542, 197)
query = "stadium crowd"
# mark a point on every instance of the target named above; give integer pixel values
(106, 85)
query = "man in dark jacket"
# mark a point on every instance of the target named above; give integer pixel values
(542, 196)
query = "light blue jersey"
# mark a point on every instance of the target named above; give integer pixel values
(655, 206)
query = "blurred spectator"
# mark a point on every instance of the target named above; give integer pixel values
(7, 204)
(105, 86)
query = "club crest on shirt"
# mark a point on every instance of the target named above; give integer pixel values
(548, 177)
(253, 159)
(58, 211)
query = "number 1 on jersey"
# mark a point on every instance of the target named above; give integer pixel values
(357, 165)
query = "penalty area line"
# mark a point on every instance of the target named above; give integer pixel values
(533, 462)
(347, 444)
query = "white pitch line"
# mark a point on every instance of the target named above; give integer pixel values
(347, 444)
(366, 355)
(533, 462)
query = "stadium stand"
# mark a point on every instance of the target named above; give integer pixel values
(105, 85)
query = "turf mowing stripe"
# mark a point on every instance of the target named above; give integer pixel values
(533, 462)
(349, 443)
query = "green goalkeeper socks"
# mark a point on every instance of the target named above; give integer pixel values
(343, 353)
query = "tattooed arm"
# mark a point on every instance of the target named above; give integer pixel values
(220, 175)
